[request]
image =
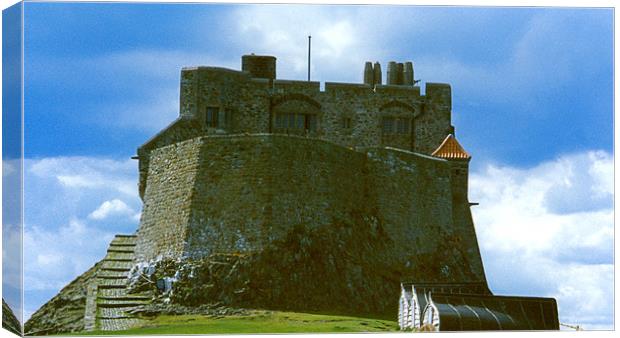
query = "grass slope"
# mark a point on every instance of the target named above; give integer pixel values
(256, 322)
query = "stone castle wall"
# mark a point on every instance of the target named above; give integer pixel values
(167, 203)
(351, 115)
(251, 103)
(239, 193)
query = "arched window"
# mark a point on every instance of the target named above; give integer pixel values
(296, 116)
(397, 125)
(216, 118)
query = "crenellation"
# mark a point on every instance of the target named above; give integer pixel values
(439, 94)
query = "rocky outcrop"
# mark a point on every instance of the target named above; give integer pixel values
(343, 268)
(9, 321)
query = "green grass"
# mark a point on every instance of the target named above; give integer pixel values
(256, 322)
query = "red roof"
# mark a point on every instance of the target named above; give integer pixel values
(451, 149)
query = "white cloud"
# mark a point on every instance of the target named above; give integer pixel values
(11, 255)
(343, 38)
(54, 256)
(74, 206)
(87, 173)
(8, 168)
(549, 231)
(114, 207)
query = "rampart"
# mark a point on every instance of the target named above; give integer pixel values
(238, 193)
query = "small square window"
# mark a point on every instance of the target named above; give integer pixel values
(346, 123)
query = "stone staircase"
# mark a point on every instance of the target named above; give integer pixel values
(108, 300)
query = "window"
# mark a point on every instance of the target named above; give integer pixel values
(301, 121)
(346, 123)
(311, 123)
(396, 125)
(388, 125)
(212, 117)
(295, 121)
(402, 126)
(279, 121)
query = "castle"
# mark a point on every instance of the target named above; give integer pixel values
(335, 199)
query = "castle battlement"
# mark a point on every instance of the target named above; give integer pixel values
(253, 100)
(215, 101)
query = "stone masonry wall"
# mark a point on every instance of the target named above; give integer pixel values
(167, 199)
(348, 114)
(249, 103)
(252, 190)
(238, 193)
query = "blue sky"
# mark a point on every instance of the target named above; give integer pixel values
(532, 102)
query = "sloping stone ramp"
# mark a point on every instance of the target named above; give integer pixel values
(108, 300)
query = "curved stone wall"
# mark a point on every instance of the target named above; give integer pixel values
(239, 193)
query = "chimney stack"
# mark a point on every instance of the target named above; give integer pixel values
(408, 74)
(378, 76)
(392, 73)
(368, 74)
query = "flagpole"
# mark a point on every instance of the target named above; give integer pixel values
(309, 46)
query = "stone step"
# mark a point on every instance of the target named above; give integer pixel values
(113, 274)
(113, 257)
(119, 250)
(114, 312)
(123, 298)
(112, 292)
(115, 269)
(119, 256)
(125, 265)
(125, 236)
(120, 304)
(110, 276)
(111, 281)
(118, 324)
(112, 286)
(122, 244)
(115, 317)
(124, 240)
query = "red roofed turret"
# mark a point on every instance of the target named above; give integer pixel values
(450, 149)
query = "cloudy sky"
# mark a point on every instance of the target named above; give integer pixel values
(532, 101)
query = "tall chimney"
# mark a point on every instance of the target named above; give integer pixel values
(368, 73)
(392, 73)
(400, 68)
(408, 74)
(378, 76)
(260, 66)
